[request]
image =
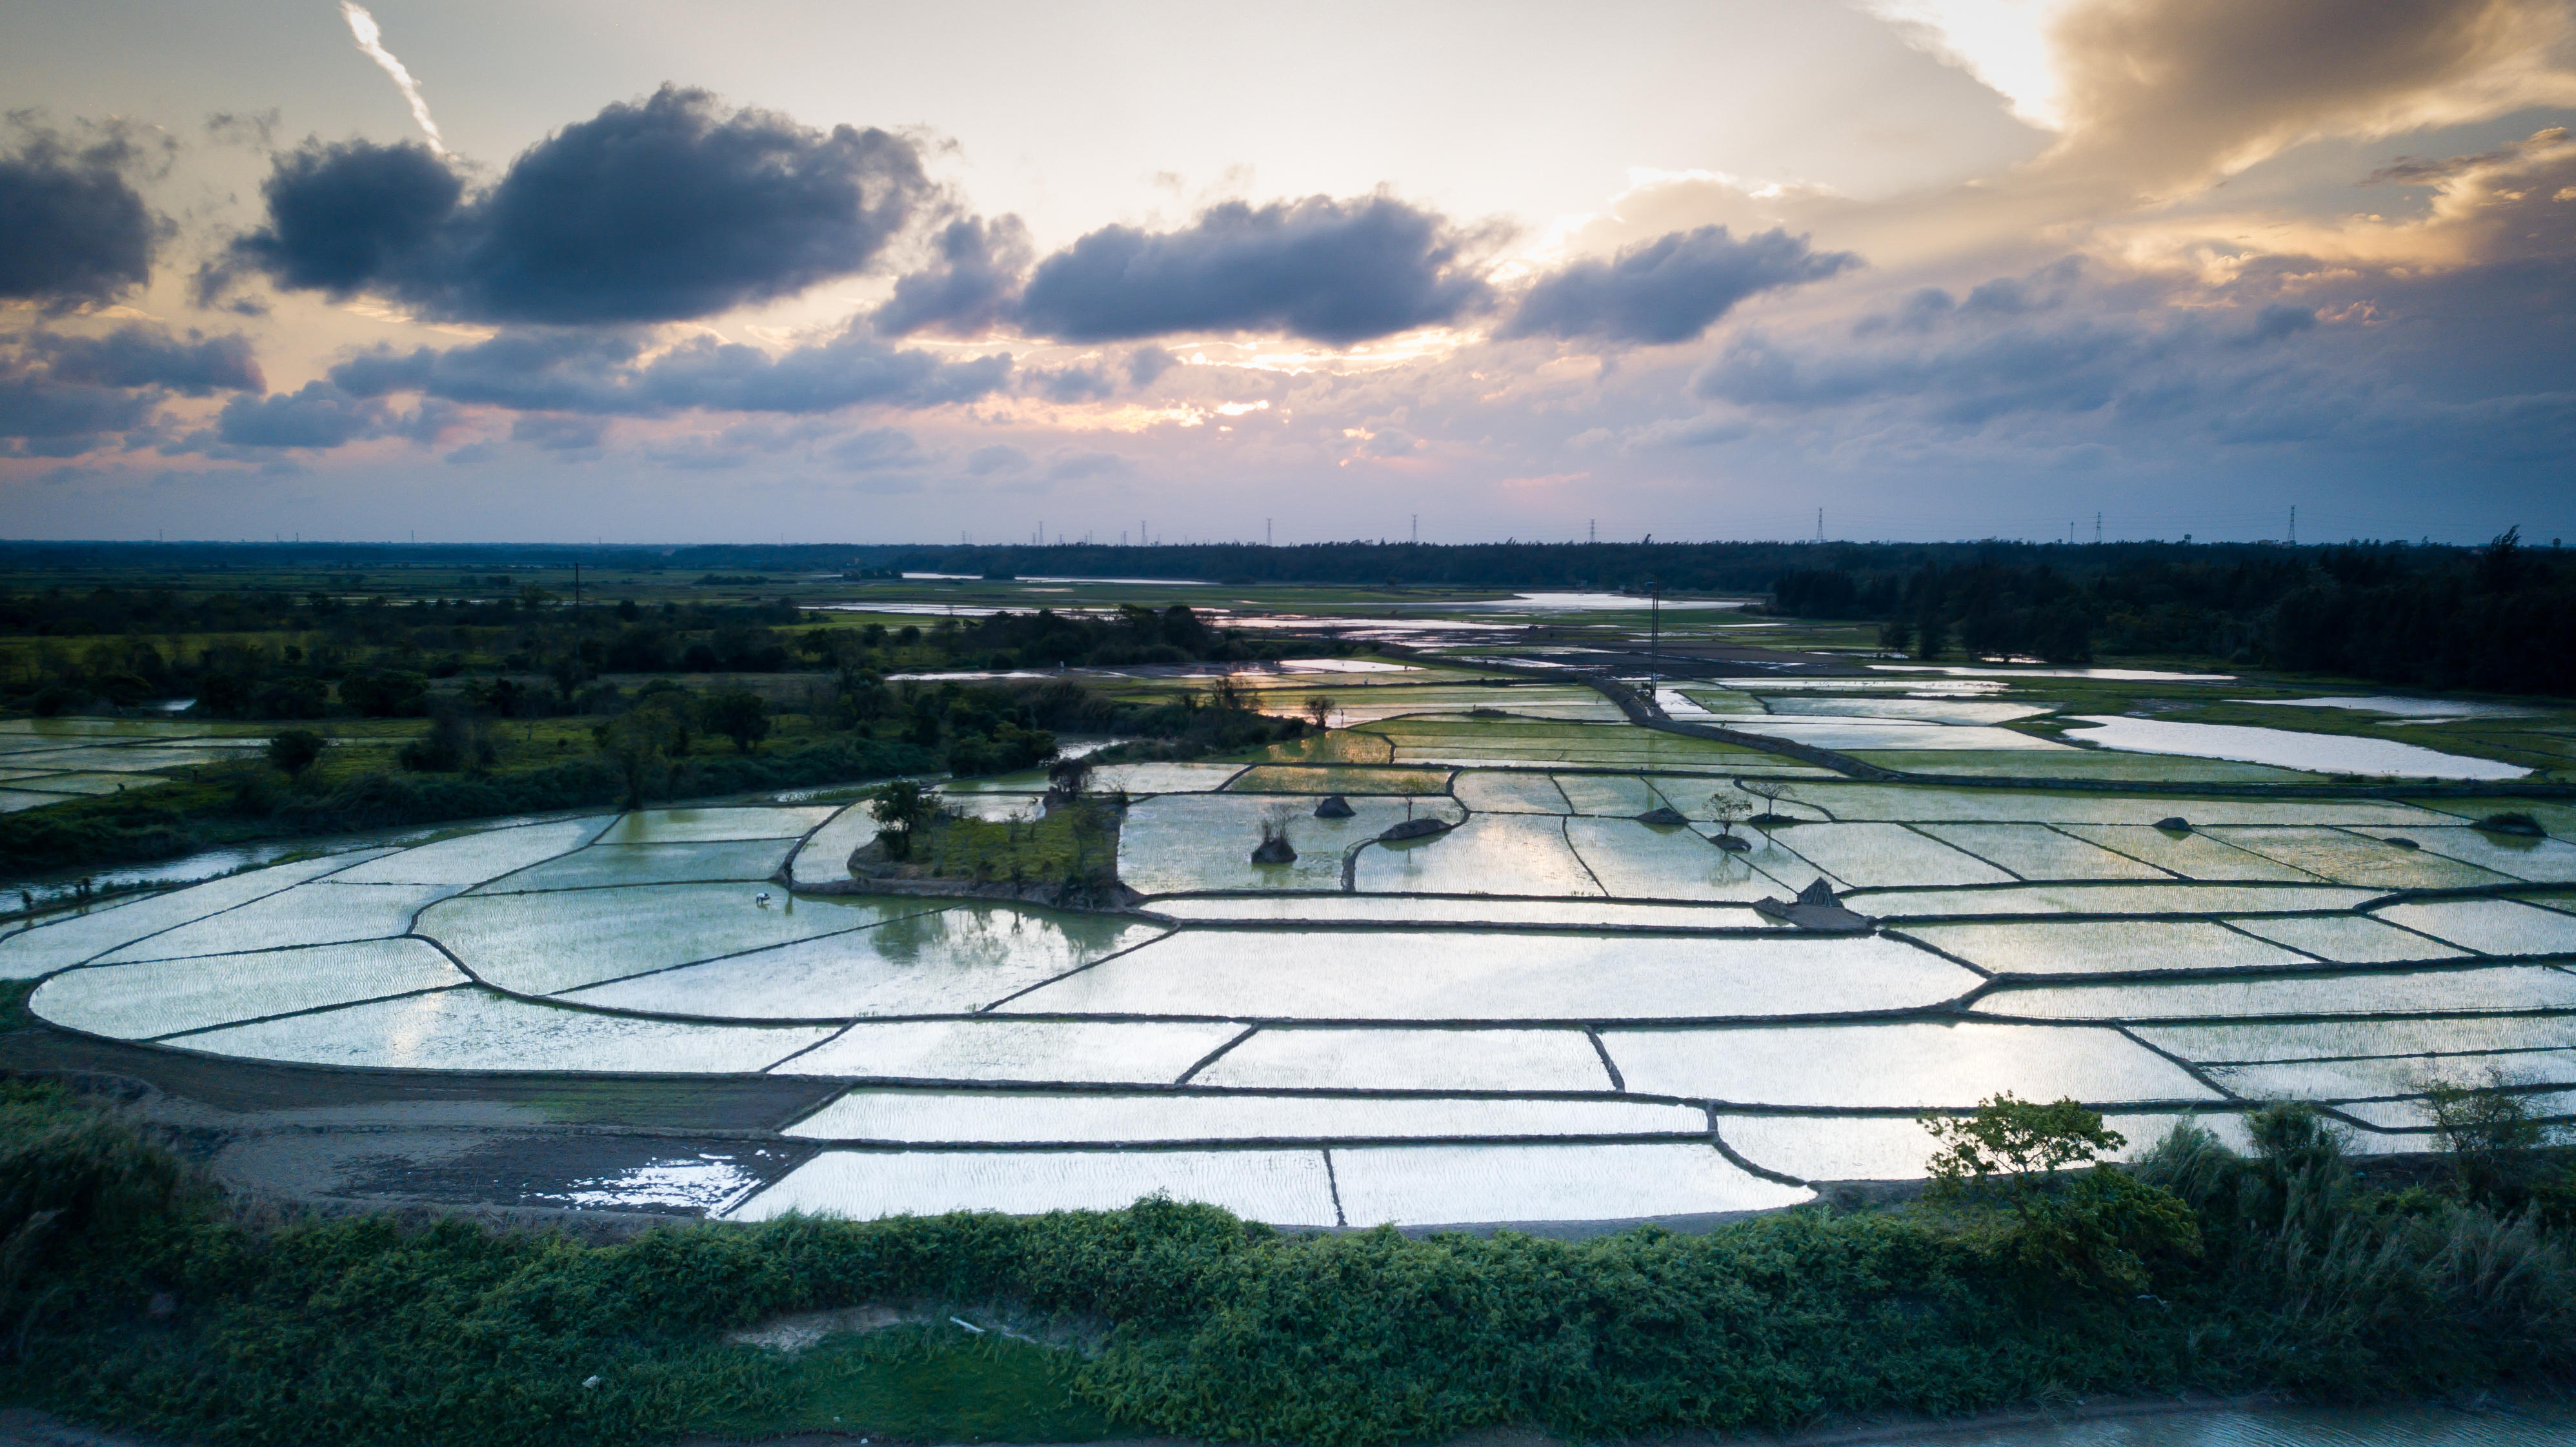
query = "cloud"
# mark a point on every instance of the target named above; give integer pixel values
(553, 432)
(316, 415)
(972, 287)
(2412, 171)
(658, 211)
(1148, 362)
(39, 418)
(1331, 271)
(1072, 384)
(596, 373)
(140, 356)
(2166, 93)
(2376, 369)
(877, 449)
(1069, 464)
(1001, 457)
(61, 396)
(1669, 289)
(76, 228)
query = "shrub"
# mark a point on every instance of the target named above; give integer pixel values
(295, 750)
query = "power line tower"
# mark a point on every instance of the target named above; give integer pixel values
(2097, 530)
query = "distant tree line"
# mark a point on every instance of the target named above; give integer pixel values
(2500, 618)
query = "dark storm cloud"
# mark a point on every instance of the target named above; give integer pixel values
(2463, 368)
(972, 286)
(576, 372)
(1332, 271)
(41, 418)
(667, 209)
(138, 356)
(72, 228)
(345, 217)
(317, 415)
(1669, 289)
(61, 396)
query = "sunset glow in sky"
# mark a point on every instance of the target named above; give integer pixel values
(669, 272)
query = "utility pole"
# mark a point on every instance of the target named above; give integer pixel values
(1820, 525)
(1417, 528)
(1592, 530)
(2097, 530)
(2294, 525)
(1654, 633)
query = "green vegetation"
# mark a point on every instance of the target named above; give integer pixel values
(134, 1299)
(2501, 618)
(232, 803)
(1074, 844)
(934, 1383)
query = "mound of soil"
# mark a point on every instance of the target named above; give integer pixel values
(1667, 815)
(1333, 807)
(1274, 851)
(1413, 829)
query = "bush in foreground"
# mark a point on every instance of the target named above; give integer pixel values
(360, 1332)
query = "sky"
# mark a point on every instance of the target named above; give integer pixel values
(996, 272)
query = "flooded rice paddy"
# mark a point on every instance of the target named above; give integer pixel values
(1554, 1010)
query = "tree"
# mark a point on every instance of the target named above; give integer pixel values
(1070, 775)
(1319, 709)
(1770, 792)
(2018, 1140)
(295, 750)
(641, 742)
(1728, 810)
(738, 714)
(902, 807)
(456, 739)
(2490, 1132)
(2099, 1228)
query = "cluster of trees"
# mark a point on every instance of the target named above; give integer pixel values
(1048, 639)
(2502, 620)
(2501, 617)
(270, 654)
